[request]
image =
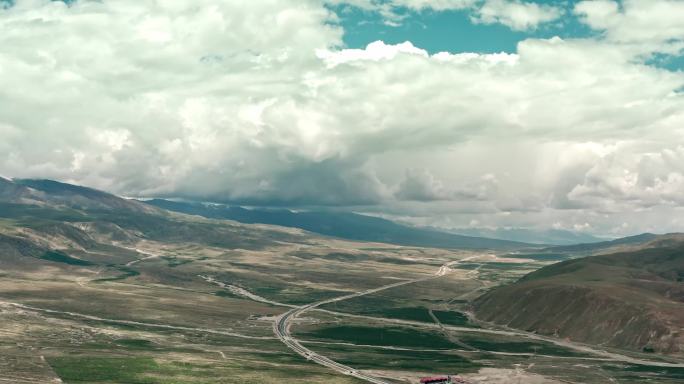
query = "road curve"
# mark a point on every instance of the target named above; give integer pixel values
(281, 326)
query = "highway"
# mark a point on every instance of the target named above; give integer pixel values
(281, 326)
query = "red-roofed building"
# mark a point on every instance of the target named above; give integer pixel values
(443, 380)
(436, 380)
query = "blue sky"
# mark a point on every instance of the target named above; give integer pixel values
(450, 31)
(454, 31)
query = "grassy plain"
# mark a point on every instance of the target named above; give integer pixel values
(110, 298)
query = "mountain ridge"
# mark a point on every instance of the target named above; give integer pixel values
(346, 225)
(73, 202)
(631, 299)
(603, 245)
(550, 237)
(51, 193)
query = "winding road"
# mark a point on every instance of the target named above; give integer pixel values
(282, 324)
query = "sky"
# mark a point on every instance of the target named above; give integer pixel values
(450, 113)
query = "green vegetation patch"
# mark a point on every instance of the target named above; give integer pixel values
(453, 318)
(289, 294)
(403, 313)
(381, 306)
(136, 343)
(128, 370)
(388, 307)
(59, 257)
(408, 313)
(127, 272)
(227, 294)
(391, 260)
(349, 257)
(642, 371)
(173, 261)
(385, 336)
(538, 256)
(468, 266)
(542, 348)
(32, 215)
(420, 361)
(280, 291)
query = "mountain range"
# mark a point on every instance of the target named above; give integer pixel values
(345, 225)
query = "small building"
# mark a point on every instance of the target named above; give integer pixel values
(443, 380)
(436, 380)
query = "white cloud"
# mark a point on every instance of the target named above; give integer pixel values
(642, 179)
(375, 51)
(421, 185)
(255, 102)
(516, 14)
(655, 24)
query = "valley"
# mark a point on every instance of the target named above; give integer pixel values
(139, 295)
(342, 192)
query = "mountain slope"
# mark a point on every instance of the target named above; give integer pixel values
(349, 226)
(533, 236)
(55, 194)
(603, 245)
(45, 202)
(53, 215)
(632, 300)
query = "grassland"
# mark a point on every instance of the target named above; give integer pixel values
(112, 298)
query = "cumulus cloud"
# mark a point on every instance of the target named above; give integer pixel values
(644, 180)
(657, 24)
(517, 15)
(421, 185)
(257, 103)
(375, 51)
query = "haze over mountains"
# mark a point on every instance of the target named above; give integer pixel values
(598, 246)
(345, 225)
(534, 236)
(340, 224)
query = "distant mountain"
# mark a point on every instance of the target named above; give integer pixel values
(593, 247)
(61, 215)
(631, 300)
(46, 201)
(349, 226)
(49, 193)
(11, 192)
(549, 236)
